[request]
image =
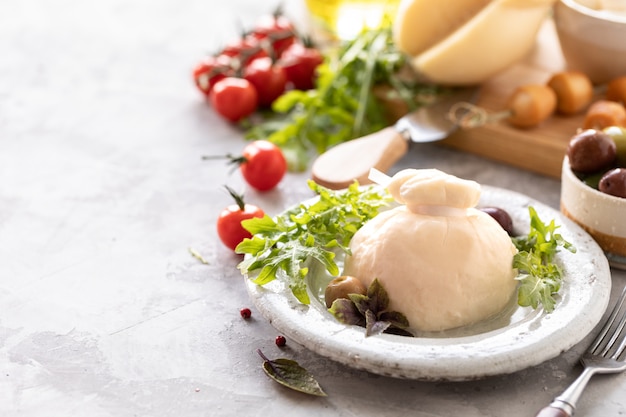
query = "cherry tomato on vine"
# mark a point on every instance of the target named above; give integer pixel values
(275, 30)
(245, 50)
(234, 98)
(229, 228)
(269, 80)
(209, 71)
(300, 62)
(262, 165)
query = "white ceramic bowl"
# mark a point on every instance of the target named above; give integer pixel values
(593, 41)
(603, 216)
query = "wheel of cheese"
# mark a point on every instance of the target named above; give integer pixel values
(421, 24)
(467, 42)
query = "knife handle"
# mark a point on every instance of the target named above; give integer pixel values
(551, 411)
(340, 165)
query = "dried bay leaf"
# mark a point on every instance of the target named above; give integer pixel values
(290, 374)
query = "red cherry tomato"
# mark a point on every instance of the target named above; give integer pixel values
(229, 228)
(276, 31)
(300, 62)
(245, 50)
(263, 165)
(234, 98)
(269, 80)
(209, 71)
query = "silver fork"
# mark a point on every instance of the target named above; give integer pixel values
(604, 356)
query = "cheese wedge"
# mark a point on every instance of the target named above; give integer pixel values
(470, 50)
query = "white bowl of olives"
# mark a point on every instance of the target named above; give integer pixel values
(593, 188)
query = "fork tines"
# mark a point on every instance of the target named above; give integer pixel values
(611, 341)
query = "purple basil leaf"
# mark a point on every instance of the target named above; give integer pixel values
(399, 332)
(378, 297)
(396, 319)
(361, 303)
(346, 312)
(373, 326)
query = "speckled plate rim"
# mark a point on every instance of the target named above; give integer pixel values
(538, 337)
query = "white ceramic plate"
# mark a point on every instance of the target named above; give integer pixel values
(517, 339)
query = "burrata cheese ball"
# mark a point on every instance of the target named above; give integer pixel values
(443, 262)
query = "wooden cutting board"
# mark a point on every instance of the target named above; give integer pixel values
(539, 149)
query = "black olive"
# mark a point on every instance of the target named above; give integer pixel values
(614, 182)
(501, 216)
(591, 151)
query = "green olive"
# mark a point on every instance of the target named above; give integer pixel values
(341, 286)
(592, 180)
(618, 134)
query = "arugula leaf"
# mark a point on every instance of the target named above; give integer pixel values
(343, 104)
(198, 256)
(285, 247)
(540, 277)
